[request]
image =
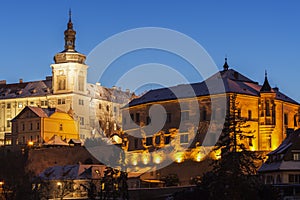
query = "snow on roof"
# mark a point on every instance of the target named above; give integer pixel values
(234, 82)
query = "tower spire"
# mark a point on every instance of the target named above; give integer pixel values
(70, 35)
(225, 66)
(266, 86)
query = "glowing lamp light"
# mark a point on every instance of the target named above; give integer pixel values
(59, 184)
(1, 183)
(179, 157)
(30, 143)
(198, 157)
(157, 159)
(145, 158)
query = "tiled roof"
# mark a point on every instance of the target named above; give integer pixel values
(234, 82)
(72, 172)
(25, 89)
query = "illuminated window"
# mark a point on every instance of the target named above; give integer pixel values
(296, 156)
(20, 105)
(115, 126)
(107, 125)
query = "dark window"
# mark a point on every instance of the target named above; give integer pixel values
(23, 127)
(204, 114)
(132, 117)
(148, 141)
(8, 105)
(30, 126)
(148, 120)
(8, 124)
(239, 113)
(38, 126)
(61, 101)
(286, 119)
(184, 138)
(295, 121)
(249, 114)
(107, 108)
(185, 115)
(250, 142)
(136, 143)
(169, 117)
(267, 108)
(157, 140)
(167, 139)
(137, 117)
(100, 106)
(60, 127)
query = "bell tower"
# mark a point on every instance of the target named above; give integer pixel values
(69, 73)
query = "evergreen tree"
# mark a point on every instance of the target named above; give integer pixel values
(233, 176)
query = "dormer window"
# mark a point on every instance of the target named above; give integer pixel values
(296, 156)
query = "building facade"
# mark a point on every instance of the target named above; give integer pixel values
(97, 108)
(35, 126)
(267, 111)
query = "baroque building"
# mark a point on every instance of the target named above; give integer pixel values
(267, 111)
(96, 108)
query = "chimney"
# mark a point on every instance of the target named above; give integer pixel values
(2, 82)
(20, 80)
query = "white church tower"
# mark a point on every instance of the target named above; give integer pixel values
(69, 73)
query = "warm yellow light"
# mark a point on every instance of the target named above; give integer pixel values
(216, 154)
(198, 157)
(30, 143)
(59, 184)
(134, 159)
(1, 182)
(134, 162)
(145, 158)
(157, 159)
(179, 157)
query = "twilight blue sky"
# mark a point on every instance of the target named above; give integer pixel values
(255, 35)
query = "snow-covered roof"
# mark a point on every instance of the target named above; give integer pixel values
(234, 82)
(73, 172)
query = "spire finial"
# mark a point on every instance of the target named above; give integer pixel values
(266, 74)
(70, 15)
(225, 66)
(70, 35)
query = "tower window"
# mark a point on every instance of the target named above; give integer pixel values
(249, 114)
(81, 83)
(286, 119)
(61, 80)
(60, 127)
(267, 108)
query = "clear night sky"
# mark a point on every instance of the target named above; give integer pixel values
(255, 35)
